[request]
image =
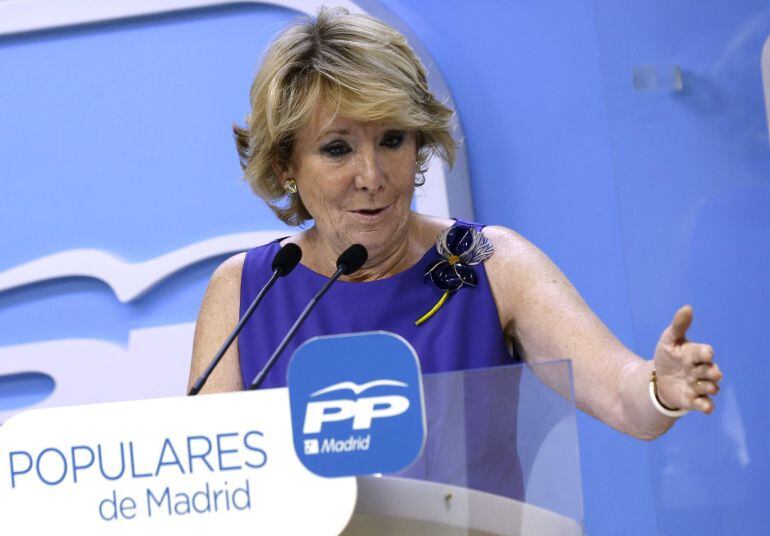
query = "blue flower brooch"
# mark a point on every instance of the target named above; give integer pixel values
(461, 247)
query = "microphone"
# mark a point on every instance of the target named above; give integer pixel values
(348, 262)
(286, 259)
(352, 259)
(284, 262)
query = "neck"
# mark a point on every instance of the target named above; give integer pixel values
(392, 258)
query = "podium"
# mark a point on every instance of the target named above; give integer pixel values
(500, 457)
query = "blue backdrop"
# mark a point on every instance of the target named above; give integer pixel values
(117, 136)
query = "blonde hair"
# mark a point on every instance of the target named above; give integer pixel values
(354, 64)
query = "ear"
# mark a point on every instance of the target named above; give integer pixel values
(283, 171)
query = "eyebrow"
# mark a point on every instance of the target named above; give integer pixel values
(342, 131)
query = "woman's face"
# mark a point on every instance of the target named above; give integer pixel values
(356, 179)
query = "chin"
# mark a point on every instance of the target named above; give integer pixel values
(375, 236)
(371, 240)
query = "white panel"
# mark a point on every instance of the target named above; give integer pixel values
(250, 475)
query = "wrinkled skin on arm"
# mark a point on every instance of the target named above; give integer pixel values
(546, 318)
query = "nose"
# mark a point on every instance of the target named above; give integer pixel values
(370, 176)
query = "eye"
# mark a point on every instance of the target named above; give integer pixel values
(394, 139)
(336, 149)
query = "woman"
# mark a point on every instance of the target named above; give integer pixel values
(341, 128)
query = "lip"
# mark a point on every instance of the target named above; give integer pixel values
(369, 217)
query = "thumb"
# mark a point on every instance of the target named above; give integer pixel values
(675, 333)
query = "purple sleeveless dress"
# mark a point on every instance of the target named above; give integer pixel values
(464, 334)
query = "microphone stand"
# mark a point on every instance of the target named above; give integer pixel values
(260, 377)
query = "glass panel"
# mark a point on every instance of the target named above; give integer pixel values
(501, 457)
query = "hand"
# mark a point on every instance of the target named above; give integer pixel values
(686, 372)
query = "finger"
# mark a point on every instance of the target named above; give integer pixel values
(698, 354)
(675, 333)
(706, 353)
(707, 371)
(705, 387)
(715, 374)
(704, 404)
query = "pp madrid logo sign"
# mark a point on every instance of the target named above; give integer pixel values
(356, 404)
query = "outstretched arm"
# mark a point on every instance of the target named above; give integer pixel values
(547, 319)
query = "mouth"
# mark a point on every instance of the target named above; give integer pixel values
(370, 213)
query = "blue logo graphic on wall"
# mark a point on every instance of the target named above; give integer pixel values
(356, 404)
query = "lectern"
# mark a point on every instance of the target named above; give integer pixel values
(500, 457)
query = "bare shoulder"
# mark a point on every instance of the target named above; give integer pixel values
(228, 274)
(514, 254)
(520, 275)
(218, 315)
(221, 303)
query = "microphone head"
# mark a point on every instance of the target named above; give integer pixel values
(286, 259)
(352, 259)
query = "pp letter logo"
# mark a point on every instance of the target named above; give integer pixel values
(362, 411)
(356, 404)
